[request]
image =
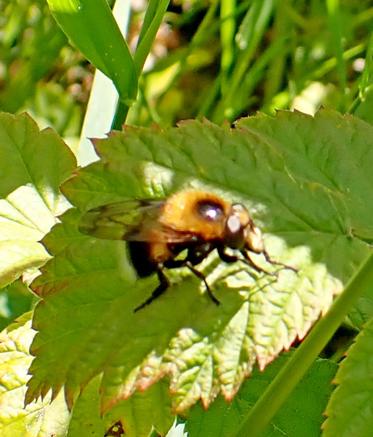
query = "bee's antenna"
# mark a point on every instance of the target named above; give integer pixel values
(277, 263)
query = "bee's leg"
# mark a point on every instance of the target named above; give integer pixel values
(201, 276)
(276, 263)
(226, 257)
(255, 266)
(195, 256)
(162, 287)
(229, 259)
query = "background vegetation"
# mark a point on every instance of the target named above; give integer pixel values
(206, 61)
(219, 60)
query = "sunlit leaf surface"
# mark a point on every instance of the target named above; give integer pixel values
(307, 182)
(38, 419)
(32, 166)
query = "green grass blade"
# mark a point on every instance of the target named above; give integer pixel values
(365, 83)
(366, 78)
(153, 19)
(151, 27)
(330, 64)
(333, 8)
(282, 30)
(103, 100)
(227, 32)
(252, 29)
(206, 29)
(150, 13)
(248, 85)
(93, 30)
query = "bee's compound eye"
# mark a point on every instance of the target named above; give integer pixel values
(210, 211)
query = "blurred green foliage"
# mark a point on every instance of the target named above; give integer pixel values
(219, 60)
(280, 55)
(39, 71)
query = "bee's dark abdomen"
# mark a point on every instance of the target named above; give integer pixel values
(139, 253)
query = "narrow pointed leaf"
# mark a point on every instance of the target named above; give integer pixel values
(93, 30)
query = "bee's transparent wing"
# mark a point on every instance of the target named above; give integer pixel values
(132, 220)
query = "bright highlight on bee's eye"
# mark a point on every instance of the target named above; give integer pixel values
(210, 211)
(159, 231)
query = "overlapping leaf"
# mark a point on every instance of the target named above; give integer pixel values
(136, 416)
(15, 299)
(32, 166)
(349, 411)
(306, 181)
(40, 419)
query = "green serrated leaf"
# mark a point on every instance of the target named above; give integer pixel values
(32, 166)
(39, 419)
(282, 168)
(349, 410)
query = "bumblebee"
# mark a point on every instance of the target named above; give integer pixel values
(191, 221)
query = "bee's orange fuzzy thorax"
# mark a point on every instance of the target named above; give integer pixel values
(180, 213)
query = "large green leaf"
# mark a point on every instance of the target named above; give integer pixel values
(307, 183)
(350, 408)
(32, 166)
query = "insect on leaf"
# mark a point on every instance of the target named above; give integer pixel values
(307, 183)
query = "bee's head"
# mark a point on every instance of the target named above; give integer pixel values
(240, 231)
